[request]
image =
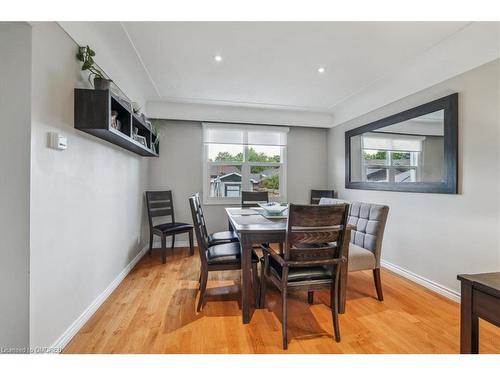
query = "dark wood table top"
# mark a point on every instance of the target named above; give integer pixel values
(250, 220)
(486, 282)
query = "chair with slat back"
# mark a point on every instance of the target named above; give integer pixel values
(316, 195)
(219, 257)
(252, 198)
(215, 238)
(160, 204)
(312, 256)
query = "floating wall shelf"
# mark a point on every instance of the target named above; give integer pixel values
(93, 115)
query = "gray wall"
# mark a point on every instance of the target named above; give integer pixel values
(433, 159)
(15, 107)
(180, 164)
(438, 236)
(87, 212)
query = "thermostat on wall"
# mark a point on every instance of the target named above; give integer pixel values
(58, 142)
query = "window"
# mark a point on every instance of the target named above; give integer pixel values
(391, 157)
(243, 157)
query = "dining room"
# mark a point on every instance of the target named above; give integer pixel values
(250, 187)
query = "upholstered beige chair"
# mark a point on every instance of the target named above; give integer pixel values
(366, 241)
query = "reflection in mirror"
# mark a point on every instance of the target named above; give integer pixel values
(405, 152)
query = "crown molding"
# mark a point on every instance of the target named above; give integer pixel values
(236, 114)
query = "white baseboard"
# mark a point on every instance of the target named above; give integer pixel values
(429, 284)
(73, 329)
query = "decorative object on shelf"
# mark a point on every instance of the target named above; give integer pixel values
(86, 56)
(141, 140)
(136, 108)
(115, 123)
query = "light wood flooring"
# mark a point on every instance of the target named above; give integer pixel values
(153, 311)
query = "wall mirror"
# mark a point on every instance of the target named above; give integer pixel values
(415, 150)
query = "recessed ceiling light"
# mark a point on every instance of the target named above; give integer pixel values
(218, 58)
(321, 70)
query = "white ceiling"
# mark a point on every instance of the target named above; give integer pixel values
(276, 63)
(269, 65)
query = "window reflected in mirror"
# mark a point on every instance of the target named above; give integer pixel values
(405, 152)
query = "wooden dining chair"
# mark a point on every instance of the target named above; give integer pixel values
(221, 257)
(160, 204)
(252, 198)
(311, 258)
(215, 238)
(316, 195)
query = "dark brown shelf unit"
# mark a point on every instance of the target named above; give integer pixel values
(93, 115)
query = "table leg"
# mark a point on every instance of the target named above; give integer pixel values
(246, 276)
(469, 323)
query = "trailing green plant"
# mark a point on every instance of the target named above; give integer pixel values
(86, 56)
(156, 128)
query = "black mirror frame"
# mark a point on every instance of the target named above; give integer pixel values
(450, 185)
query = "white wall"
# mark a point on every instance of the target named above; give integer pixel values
(15, 95)
(433, 235)
(179, 167)
(87, 213)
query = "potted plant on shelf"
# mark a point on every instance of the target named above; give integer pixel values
(85, 55)
(156, 129)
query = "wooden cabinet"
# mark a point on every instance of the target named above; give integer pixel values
(93, 115)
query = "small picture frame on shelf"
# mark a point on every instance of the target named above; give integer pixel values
(141, 140)
(115, 123)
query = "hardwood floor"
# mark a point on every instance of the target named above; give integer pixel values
(154, 311)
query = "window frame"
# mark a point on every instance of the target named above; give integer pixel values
(245, 166)
(390, 167)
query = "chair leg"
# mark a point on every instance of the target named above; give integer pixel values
(378, 284)
(284, 316)
(163, 248)
(335, 304)
(199, 282)
(173, 241)
(310, 297)
(191, 246)
(203, 289)
(255, 286)
(263, 282)
(150, 242)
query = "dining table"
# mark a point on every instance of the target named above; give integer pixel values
(254, 227)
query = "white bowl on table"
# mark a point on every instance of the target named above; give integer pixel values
(273, 208)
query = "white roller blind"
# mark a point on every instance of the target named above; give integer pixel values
(244, 134)
(392, 142)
